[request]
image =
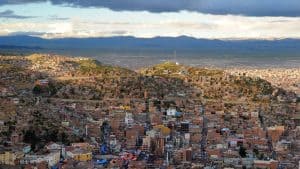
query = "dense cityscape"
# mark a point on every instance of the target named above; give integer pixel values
(75, 112)
(149, 84)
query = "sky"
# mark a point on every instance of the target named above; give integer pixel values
(210, 19)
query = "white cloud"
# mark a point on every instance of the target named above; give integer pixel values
(36, 27)
(60, 28)
(166, 24)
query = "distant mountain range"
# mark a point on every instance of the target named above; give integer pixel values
(128, 42)
(182, 44)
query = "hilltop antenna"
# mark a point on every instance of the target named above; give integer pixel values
(175, 56)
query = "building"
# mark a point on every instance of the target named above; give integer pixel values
(52, 158)
(53, 146)
(79, 154)
(9, 158)
(184, 154)
(261, 164)
(185, 127)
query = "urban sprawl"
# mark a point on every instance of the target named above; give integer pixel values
(68, 112)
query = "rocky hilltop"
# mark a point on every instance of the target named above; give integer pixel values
(82, 78)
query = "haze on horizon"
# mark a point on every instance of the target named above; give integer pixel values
(211, 19)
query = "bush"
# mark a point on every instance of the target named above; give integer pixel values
(37, 89)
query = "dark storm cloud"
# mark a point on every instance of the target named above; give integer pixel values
(240, 7)
(11, 14)
(11, 2)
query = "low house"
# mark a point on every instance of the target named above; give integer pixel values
(52, 158)
(53, 146)
(171, 112)
(86, 146)
(10, 158)
(260, 164)
(79, 154)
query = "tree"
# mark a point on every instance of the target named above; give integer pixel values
(64, 138)
(52, 89)
(37, 89)
(51, 135)
(105, 130)
(31, 137)
(255, 151)
(242, 152)
(261, 156)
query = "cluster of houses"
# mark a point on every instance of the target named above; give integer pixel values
(201, 121)
(287, 78)
(53, 155)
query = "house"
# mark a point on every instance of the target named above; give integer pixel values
(79, 154)
(184, 126)
(52, 158)
(9, 158)
(137, 164)
(65, 123)
(296, 118)
(275, 132)
(232, 161)
(283, 145)
(129, 119)
(42, 82)
(15, 138)
(216, 153)
(165, 131)
(85, 146)
(41, 165)
(184, 154)
(254, 114)
(53, 146)
(248, 162)
(171, 112)
(16, 100)
(260, 164)
(26, 149)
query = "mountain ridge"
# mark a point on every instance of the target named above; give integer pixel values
(112, 49)
(130, 41)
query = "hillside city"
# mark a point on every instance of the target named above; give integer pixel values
(63, 112)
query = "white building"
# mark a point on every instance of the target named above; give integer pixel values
(171, 112)
(51, 158)
(129, 119)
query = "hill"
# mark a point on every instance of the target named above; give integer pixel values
(58, 96)
(214, 83)
(82, 78)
